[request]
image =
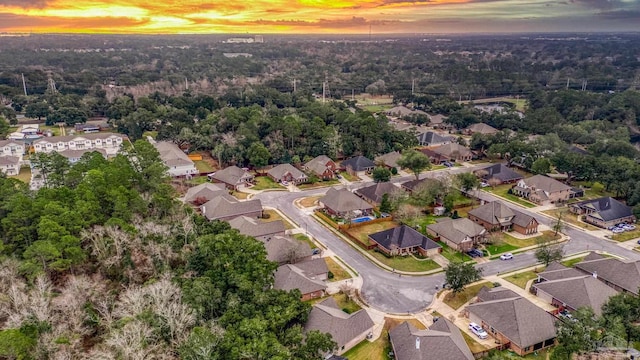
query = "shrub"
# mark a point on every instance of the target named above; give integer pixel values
(330, 275)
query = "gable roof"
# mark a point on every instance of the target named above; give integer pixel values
(624, 274)
(318, 164)
(4, 143)
(313, 267)
(442, 340)
(66, 138)
(518, 319)
(281, 170)
(230, 175)
(606, 208)
(579, 291)
(206, 191)
(282, 249)
(289, 277)
(453, 149)
(437, 119)
(415, 184)
(522, 219)
(389, 159)
(224, 206)
(492, 213)
(254, 227)
(358, 163)
(399, 110)
(457, 230)
(593, 256)
(432, 138)
(481, 128)
(76, 154)
(557, 271)
(403, 237)
(326, 317)
(545, 183)
(375, 192)
(502, 173)
(499, 293)
(9, 160)
(343, 200)
(171, 154)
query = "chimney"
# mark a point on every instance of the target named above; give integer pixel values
(595, 274)
(417, 343)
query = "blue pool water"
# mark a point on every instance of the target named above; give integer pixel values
(362, 219)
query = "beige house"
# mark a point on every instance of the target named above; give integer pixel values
(233, 177)
(454, 152)
(542, 190)
(459, 234)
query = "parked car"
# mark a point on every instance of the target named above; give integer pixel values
(339, 176)
(479, 331)
(315, 251)
(506, 256)
(628, 227)
(475, 253)
(447, 164)
(484, 184)
(617, 230)
(285, 183)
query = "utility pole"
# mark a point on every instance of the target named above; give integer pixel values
(324, 91)
(186, 84)
(413, 86)
(294, 85)
(352, 95)
(567, 83)
(24, 85)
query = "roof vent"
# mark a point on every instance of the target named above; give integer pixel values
(595, 274)
(418, 343)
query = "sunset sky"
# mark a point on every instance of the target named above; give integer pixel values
(317, 16)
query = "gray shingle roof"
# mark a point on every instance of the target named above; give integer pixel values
(522, 219)
(403, 237)
(494, 213)
(313, 267)
(358, 163)
(375, 192)
(545, 183)
(453, 150)
(499, 293)
(75, 154)
(206, 191)
(626, 275)
(55, 139)
(432, 138)
(171, 155)
(230, 175)
(289, 277)
(457, 230)
(226, 205)
(442, 340)
(255, 227)
(282, 249)
(518, 319)
(481, 128)
(343, 201)
(326, 317)
(281, 170)
(606, 208)
(593, 256)
(9, 160)
(318, 165)
(416, 184)
(389, 159)
(502, 173)
(557, 271)
(579, 291)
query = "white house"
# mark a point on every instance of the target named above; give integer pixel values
(177, 162)
(110, 142)
(10, 165)
(11, 148)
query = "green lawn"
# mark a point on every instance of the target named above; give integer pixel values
(500, 248)
(153, 134)
(521, 279)
(627, 235)
(380, 348)
(319, 184)
(461, 298)
(24, 175)
(376, 108)
(502, 191)
(346, 304)
(569, 218)
(339, 273)
(571, 262)
(405, 263)
(203, 166)
(274, 215)
(264, 183)
(350, 177)
(362, 232)
(304, 238)
(422, 221)
(453, 255)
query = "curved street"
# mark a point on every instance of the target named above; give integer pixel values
(401, 294)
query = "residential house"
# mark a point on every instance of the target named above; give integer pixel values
(285, 250)
(603, 212)
(233, 177)
(202, 193)
(344, 203)
(287, 172)
(496, 216)
(389, 160)
(322, 166)
(513, 321)
(623, 276)
(557, 271)
(416, 185)
(177, 162)
(374, 193)
(9, 165)
(442, 340)
(357, 165)
(261, 230)
(574, 292)
(399, 111)
(110, 142)
(460, 234)
(289, 277)
(480, 128)
(454, 152)
(498, 173)
(431, 138)
(226, 207)
(11, 148)
(435, 157)
(542, 190)
(438, 121)
(347, 330)
(404, 240)
(75, 155)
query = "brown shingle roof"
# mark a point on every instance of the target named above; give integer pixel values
(254, 227)
(206, 191)
(343, 201)
(626, 275)
(442, 340)
(545, 183)
(230, 175)
(226, 205)
(457, 230)
(326, 317)
(375, 192)
(579, 291)
(281, 170)
(318, 165)
(289, 277)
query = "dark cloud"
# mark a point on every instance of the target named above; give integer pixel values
(599, 4)
(25, 3)
(621, 15)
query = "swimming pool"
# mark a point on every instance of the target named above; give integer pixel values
(362, 219)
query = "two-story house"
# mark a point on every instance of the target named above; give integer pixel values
(321, 166)
(110, 142)
(542, 190)
(496, 216)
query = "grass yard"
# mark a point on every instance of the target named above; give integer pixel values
(453, 255)
(571, 262)
(339, 273)
(405, 263)
(521, 279)
(203, 166)
(502, 191)
(362, 232)
(380, 348)
(474, 346)
(350, 177)
(264, 183)
(197, 180)
(346, 304)
(239, 195)
(627, 235)
(153, 134)
(500, 248)
(310, 201)
(304, 238)
(521, 104)
(24, 175)
(319, 184)
(457, 300)
(546, 236)
(376, 108)
(570, 218)
(422, 221)
(274, 215)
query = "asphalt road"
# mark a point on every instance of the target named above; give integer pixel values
(392, 293)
